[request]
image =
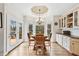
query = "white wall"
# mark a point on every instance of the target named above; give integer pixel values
(1, 42)
(1, 33)
(25, 28)
(55, 27)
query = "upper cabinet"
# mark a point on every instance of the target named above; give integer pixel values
(76, 19)
(64, 22)
(70, 20)
(61, 22)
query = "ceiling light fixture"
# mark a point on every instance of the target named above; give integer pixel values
(39, 10)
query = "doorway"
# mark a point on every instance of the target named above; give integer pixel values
(40, 29)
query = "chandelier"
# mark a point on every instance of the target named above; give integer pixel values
(39, 21)
(39, 10)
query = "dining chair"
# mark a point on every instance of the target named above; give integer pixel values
(30, 39)
(40, 44)
(48, 39)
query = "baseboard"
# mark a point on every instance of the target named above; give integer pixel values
(12, 49)
(64, 48)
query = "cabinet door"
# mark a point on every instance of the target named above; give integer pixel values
(57, 37)
(68, 44)
(64, 22)
(75, 48)
(64, 41)
(76, 23)
(60, 39)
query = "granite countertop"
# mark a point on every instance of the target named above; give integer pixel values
(69, 35)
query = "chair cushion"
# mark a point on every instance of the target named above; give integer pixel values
(47, 39)
(31, 39)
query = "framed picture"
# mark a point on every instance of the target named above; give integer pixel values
(0, 19)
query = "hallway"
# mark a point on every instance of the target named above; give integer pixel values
(23, 50)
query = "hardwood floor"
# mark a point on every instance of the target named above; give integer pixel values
(23, 50)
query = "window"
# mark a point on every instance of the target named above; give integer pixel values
(40, 29)
(20, 30)
(48, 29)
(31, 29)
(12, 32)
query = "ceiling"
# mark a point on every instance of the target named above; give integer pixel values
(53, 8)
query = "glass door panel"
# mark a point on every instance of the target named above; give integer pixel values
(30, 29)
(76, 18)
(48, 29)
(64, 25)
(20, 30)
(40, 29)
(12, 32)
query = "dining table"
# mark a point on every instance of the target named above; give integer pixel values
(33, 36)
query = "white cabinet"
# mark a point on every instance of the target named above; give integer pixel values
(57, 37)
(66, 42)
(60, 39)
(76, 17)
(63, 40)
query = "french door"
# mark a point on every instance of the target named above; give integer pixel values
(40, 29)
(14, 32)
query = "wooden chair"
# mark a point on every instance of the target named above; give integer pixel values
(40, 44)
(48, 40)
(30, 39)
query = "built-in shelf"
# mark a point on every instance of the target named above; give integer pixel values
(69, 23)
(70, 17)
(70, 20)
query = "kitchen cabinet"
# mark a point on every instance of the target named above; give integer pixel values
(61, 22)
(66, 42)
(57, 37)
(64, 22)
(63, 40)
(70, 20)
(60, 39)
(76, 18)
(75, 46)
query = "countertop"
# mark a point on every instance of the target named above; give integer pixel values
(69, 35)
